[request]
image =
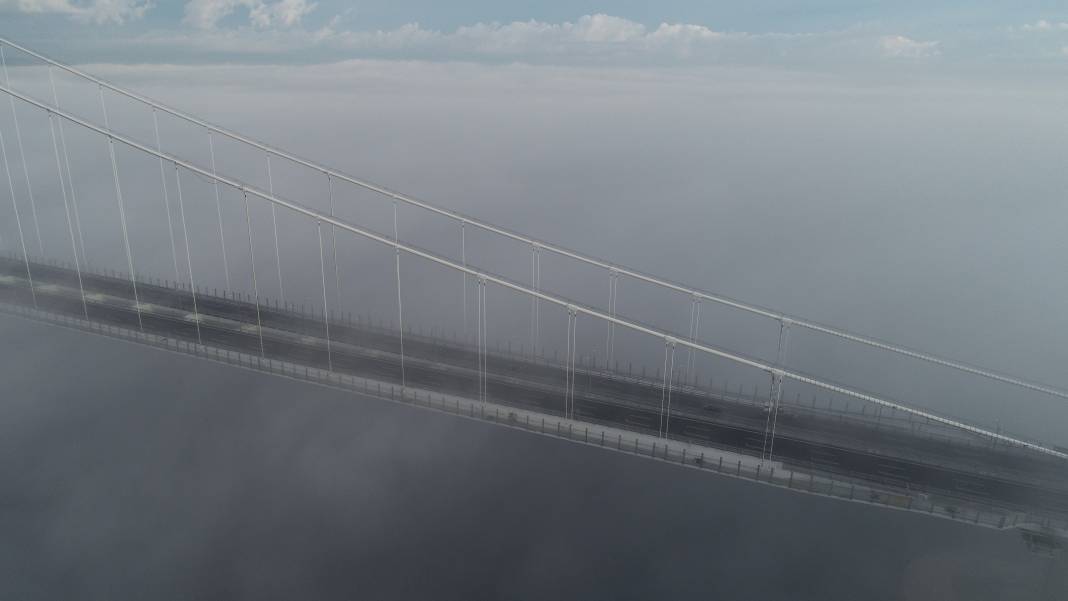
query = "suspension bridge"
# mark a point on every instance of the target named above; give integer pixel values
(309, 316)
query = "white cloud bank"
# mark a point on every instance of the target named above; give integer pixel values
(1044, 25)
(589, 34)
(270, 28)
(899, 46)
(95, 11)
(206, 14)
(596, 38)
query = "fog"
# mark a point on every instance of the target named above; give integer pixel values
(918, 207)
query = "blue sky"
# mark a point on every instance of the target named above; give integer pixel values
(827, 32)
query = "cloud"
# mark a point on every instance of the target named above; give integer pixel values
(275, 29)
(96, 11)
(598, 35)
(206, 14)
(899, 46)
(1044, 25)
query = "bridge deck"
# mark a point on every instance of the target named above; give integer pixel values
(887, 449)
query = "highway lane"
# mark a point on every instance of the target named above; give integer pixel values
(368, 352)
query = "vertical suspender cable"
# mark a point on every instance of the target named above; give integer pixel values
(188, 256)
(333, 242)
(610, 339)
(326, 309)
(537, 301)
(483, 341)
(692, 367)
(122, 210)
(784, 339)
(66, 160)
(534, 277)
(776, 390)
(663, 391)
(18, 218)
(218, 210)
(567, 365)
(574, 356)
(768, 419)
(695, 321)
(463, 261)
(767, 428)
(615, 310)
(274, 222)
(166, 195)
(400, 307)
(670, 375)
(609, 346)
(689, 332)
(22, 155)
(255, 284)
(776, 398)
(66, 210)
(533, 298)
(478, 333)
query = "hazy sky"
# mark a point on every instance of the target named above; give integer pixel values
(828, 32)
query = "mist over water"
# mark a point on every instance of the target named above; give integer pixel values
(921, 209)
(166, 477)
